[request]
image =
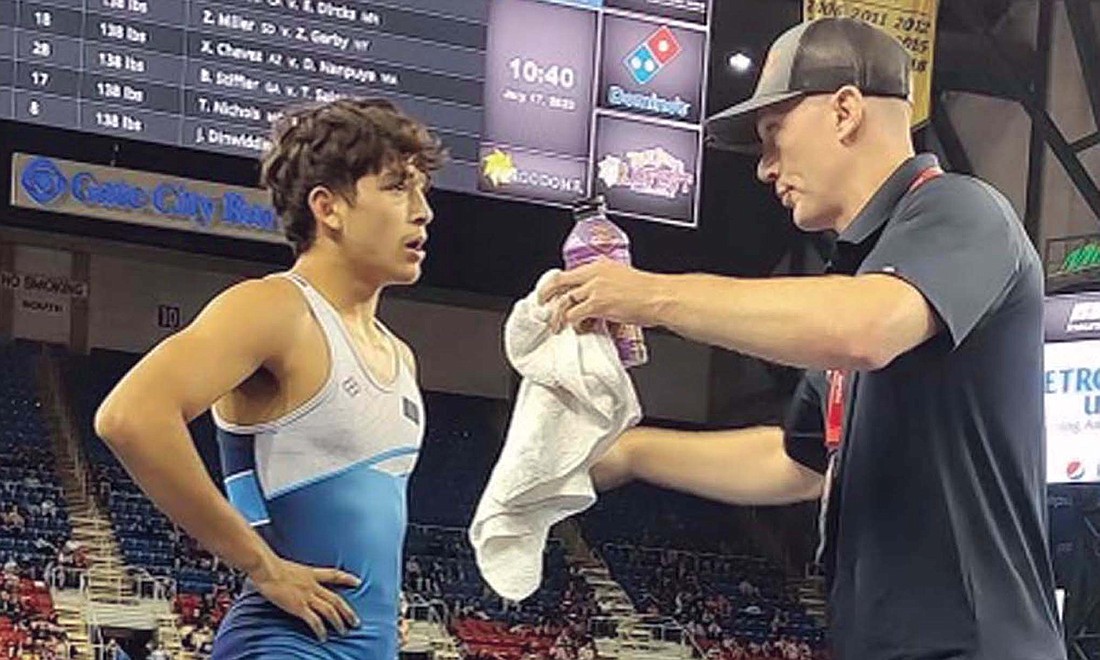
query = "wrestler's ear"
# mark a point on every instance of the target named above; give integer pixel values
(329, 208)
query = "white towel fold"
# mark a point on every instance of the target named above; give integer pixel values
(574, 402)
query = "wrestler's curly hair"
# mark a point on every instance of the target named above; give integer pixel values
(334, 145)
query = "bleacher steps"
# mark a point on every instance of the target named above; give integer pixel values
(608, 593)
(108, 585)
(815, 607)
(67, 603)
(640, 647)
(70, 616)
(168, 634)
(634, 640)
(810, 593)
(427, 636)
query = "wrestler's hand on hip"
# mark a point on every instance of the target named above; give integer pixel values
(603, 289)
(299, 590)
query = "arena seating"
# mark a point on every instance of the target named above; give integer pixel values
(716, 597)
(682, 556)
(34, 523)
(459, 451)
(147, 539)
(457, 455)
(28, 622)
(641, 514)
(440, 567)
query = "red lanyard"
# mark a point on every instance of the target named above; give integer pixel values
(834, 409)
(834, 406)
(925, 176)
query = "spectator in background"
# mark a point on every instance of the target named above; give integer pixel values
(747, 589)
(49, 509)
(114, 651)
(588, 651)
(15, 522)
(157, 651)
(7, 604)
(44, 546)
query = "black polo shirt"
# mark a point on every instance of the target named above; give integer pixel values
(935, 522)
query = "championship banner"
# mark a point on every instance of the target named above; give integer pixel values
(912, 22)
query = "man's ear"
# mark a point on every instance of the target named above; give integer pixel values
(849, 109)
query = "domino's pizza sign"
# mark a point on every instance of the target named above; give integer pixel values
(652, 55)
(143, 198)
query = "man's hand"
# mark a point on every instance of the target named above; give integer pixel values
(298, 590)
(606, 290)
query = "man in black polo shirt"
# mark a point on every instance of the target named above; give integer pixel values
(919, 421)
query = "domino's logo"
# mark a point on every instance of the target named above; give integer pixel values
(652, 55)
(43, 181)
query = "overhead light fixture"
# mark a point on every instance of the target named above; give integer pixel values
(740, 62)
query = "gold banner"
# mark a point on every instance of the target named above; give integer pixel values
(913, 22)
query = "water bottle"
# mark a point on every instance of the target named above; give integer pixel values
(595, 236)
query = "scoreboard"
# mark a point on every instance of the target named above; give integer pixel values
(538, 100)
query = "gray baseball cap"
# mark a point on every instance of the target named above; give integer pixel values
(816, 57)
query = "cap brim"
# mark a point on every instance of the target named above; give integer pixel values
(734, 129)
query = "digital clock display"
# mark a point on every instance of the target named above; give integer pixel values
(530, 71)
(522, 92)
(586, 97)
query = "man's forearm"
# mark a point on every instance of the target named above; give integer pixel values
(808, 322)
(744, 466)
(160, 454)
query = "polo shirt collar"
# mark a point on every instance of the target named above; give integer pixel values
(877, 211)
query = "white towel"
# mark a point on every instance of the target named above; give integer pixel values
(574, 402)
